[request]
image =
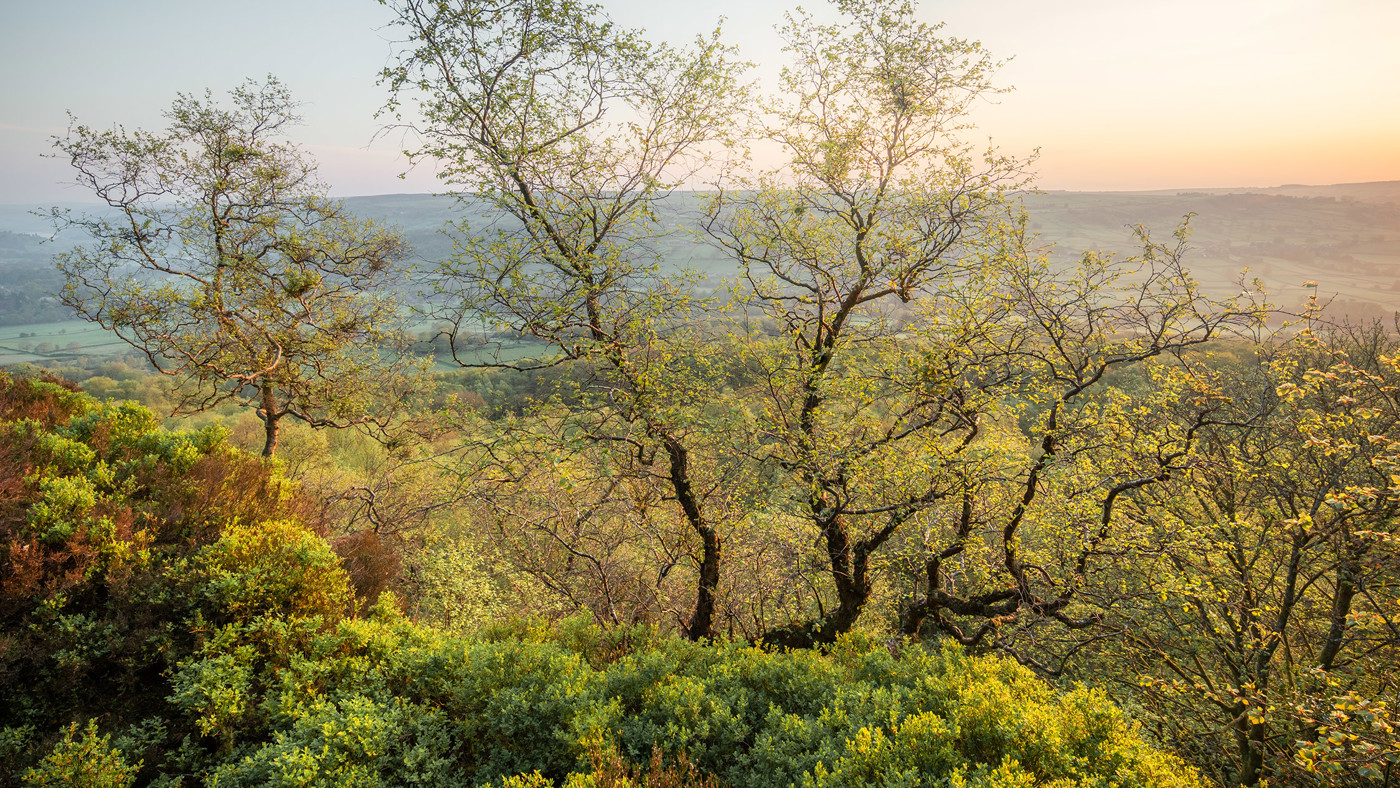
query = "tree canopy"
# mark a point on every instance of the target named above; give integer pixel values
(223, 261)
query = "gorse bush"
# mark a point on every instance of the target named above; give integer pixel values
(88, 761)
(119, 549)
(170, 619)
(382, 701)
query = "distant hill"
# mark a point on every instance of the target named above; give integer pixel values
(1372, 191)
(1345, 237)
(423, 218)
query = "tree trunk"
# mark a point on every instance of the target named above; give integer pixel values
(1249, 743)
(1341, 609)
(849, 575)
(270, 417)
(702, 620)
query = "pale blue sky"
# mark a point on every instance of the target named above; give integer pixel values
(1118, 94)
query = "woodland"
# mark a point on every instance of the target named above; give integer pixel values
(890, 490)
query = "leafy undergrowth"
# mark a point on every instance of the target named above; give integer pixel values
(170, 618)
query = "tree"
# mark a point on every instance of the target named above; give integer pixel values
(879, 205)
(1262, 629)
(1108, 401)
(570, 129)
(918, 320)
(223, 261)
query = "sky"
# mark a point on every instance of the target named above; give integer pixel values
(1115, 94)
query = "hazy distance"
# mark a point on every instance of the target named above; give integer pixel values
(1117, 96)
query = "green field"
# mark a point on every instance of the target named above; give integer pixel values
(46, 343)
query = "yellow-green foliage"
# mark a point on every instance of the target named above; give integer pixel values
(384, 701)
(125, 550)
(277, 568)
(221, 649)
(86, 761)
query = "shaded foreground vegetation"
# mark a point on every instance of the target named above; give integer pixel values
(172, 616)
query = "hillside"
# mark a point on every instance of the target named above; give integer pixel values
(1345, 237)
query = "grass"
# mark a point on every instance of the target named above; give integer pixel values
(68, 340)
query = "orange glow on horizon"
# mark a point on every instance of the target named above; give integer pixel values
(1145, 163)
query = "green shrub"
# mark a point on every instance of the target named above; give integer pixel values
(386, 697)
(126, 550)
(278, 569)
(86, 761)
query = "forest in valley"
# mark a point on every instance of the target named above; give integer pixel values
(649, 463)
